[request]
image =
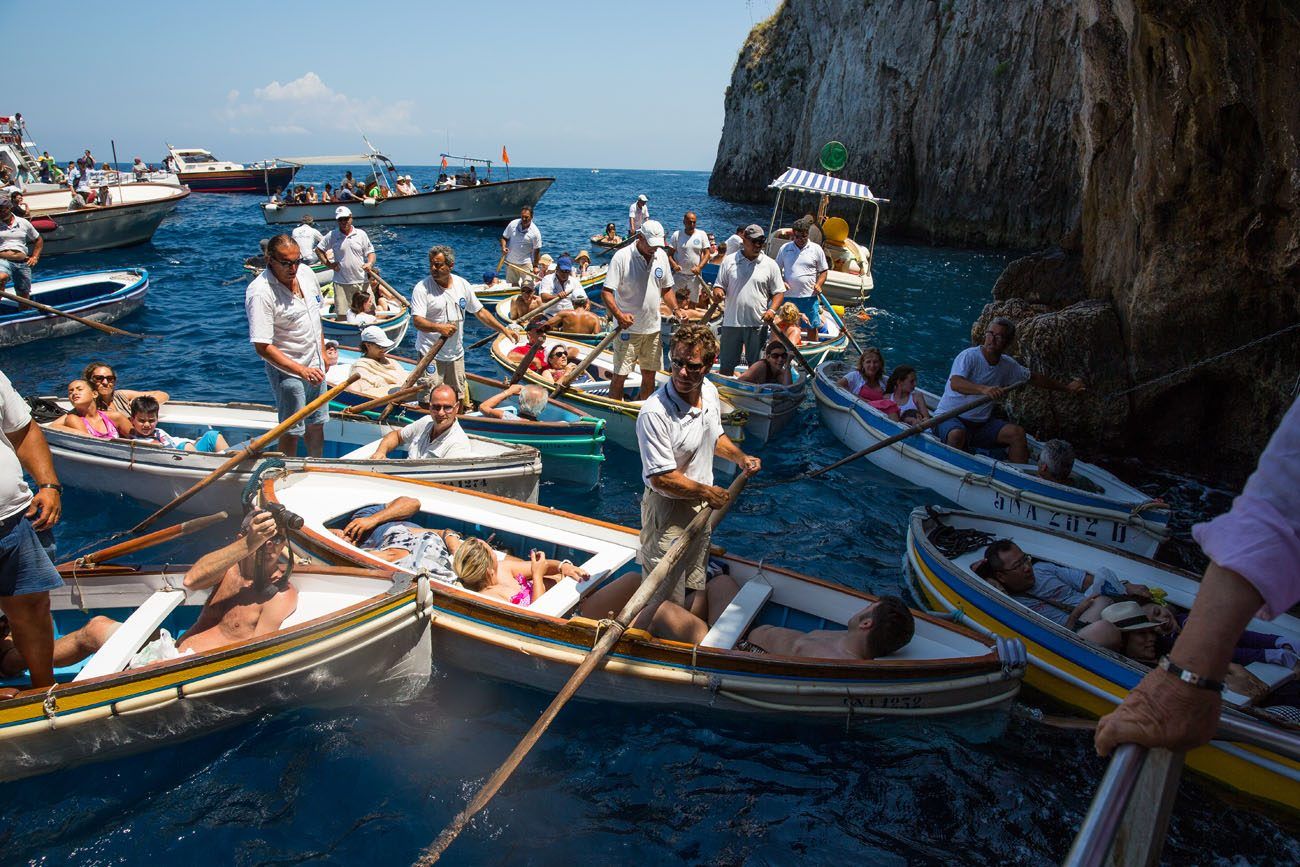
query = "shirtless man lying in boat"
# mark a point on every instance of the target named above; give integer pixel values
(251, 594)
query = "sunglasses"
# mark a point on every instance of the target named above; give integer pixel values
(560, 354)
(690, 366)
(1019, 564)
(100, 377)
(286, 263)
(442, 407)
(777, 353)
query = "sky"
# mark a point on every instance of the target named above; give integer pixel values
(564, 84)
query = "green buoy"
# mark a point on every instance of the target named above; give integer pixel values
(834, 156)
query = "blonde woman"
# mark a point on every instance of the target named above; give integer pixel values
(493, 573)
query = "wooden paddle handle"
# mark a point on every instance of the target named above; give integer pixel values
(400, 394)
(418, 372)
(89, 323)
(795, 354)
(175, 531)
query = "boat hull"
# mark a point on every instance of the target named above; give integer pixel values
(25, 325)
(770, 407)
(261, 181)
(134, 221)
(496, 202)
(987, 486)
(1066, 667)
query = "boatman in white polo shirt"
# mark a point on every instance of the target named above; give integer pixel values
(752, 285)
(563, 282)
(521, 244)
(804, 268)
(283, 304)
(352, 255)
(439, 303)
(638, 214)
(637, 279)
(678, 432)
(689, 248)
(308, 238)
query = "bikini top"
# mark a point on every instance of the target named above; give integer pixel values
(110, 429)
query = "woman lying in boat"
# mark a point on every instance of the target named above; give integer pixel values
(87, 419)
(104, 381)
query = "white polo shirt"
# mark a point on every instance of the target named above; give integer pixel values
(308, 238)
(638, 214)
(734, 244)
(14, 416)
(801, 267)
(673, 435)
(688, 251)
(551, 286)
(282, 319)
(454, 442)
(522, 243)
(750, 287)
(349, 252)
(18, 235)
(436, 304)
(638, 286)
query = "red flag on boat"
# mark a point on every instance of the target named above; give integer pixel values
(444, 161)
(505, 157)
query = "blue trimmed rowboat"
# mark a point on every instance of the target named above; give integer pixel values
(352, 630)
(1070, 669)
(1112, 513)
(593, 282)
(336, 327)
(945, 669)
(770, 407)
(572, 445)
(102, 296)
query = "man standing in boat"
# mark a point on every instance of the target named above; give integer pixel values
(439, 303)
(349, 251)
(16, 258)
(308, 238)
(283, 306)
(679, 431)
(521, 245)
(637, 279)
(689, 249)
(638, 214)
(751, 283)
(562, 282)
(804, 268)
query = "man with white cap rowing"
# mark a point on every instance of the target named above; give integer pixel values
(352, 256)
(638, 280)
(752, 285)
(563, 283)
(638, 214)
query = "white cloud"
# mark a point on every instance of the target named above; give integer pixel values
(307, 106)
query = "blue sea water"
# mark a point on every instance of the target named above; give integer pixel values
(609, 784)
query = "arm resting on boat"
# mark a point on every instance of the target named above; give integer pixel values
(34, 455)
(398, 510)
(212, 567)
(390, 441)
(489, 406)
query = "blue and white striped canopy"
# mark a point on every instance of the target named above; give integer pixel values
(811, 182)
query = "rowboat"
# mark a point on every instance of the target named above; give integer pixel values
(769, 407)
(156, 475)
(945, 669)
(572, 445)
(592, 281)
(336, 327)
(352, 629)
(610, 246)
(101, 296)
(942, 546)
(591, 395)
(502, 311)
(1109, 512)
(133, 215)
(204, 173)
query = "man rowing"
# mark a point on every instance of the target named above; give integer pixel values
(521, 246)
(637, 281)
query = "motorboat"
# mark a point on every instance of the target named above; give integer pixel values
(204, 173)
(132, 215)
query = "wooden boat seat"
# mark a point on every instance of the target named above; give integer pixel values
(131, 635)
(560, 599)
(361, 452)
(738, 614)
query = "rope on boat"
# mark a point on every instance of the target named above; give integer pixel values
(50, 705)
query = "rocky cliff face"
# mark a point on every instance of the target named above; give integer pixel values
(1156, 143)
(960, 112)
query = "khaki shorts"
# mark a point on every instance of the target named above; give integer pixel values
(516, 271)
(343, 293)
(684, 282)
(638, 350)
(451, 373)
(662, 520)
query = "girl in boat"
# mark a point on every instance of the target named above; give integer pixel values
(788, 318)
(867, 382)
(103, 381)
(494, 573)
(901, 389)
(611, 238)
(87, 419)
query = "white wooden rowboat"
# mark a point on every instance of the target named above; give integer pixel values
(132, 216)
(944, 669)
(101, 296)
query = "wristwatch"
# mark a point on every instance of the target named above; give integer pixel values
(1190, 677)
(54, 487)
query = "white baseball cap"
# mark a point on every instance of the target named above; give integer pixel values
(342, 211)
(642, 198)
(653, 232)
(374, 334)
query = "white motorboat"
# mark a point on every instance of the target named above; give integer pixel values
(132, 216)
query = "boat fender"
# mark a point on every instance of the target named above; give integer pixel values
(369, 203)
(272, 206)
(44, 224)
(423, 594)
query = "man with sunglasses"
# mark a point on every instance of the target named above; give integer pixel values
(352, 256)
(638, 279)
(679, 431)
(751, 283)
(437, 435)
(283, 304)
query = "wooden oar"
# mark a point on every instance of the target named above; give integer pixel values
(911, 431)
(418, 372)
(531, 314)
(518, 269)
(500, 262)
(249, 451)
(399, 395)
(89, 323)
(844, 326)
(653, 590)
(563, 385)
(175, 531)
(522, 366)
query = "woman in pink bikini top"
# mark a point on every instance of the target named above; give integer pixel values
(516, 581)
(87, 419)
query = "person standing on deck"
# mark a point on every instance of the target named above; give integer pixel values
(439, 303)
(283, 305)
(16, 258)
(521, 245)
(308, 238)
(638, 214)
(804, 268)
(751, 283)
(349, 251)
(637, 279)
(689, 249)
(679, 432)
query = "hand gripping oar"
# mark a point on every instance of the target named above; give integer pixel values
(249, 451)
(563, 385)
(89, 323)
(914, 429)
(519, 320)
(175, 531)
(418, 372)
(653, 590)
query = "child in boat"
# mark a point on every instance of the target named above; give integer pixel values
(901, 389)
(144, 428)
(867, 382)
(87, 419)
(362, 310)
(788, 318)
(493, 573)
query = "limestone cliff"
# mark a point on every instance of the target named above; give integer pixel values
(960, 112)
